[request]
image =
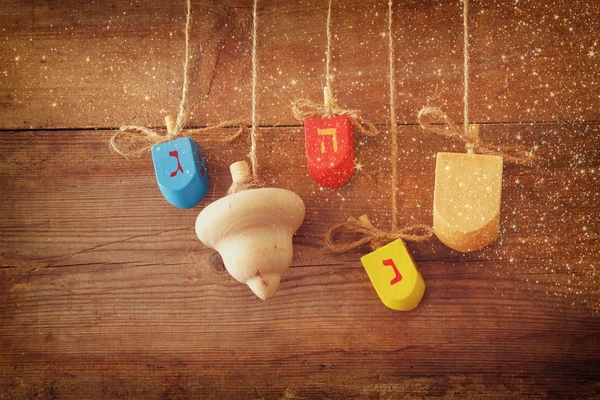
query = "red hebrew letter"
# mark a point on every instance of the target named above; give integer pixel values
(201, 162)
(175, 154)
(390, 263)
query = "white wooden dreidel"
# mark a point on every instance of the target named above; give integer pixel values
(180, 169)
(466, 201)
(394, 275)
(253, 230)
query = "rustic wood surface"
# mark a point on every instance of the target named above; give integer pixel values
(105, 291)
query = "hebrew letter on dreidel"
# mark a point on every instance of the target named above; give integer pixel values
(398, 277)
(328, 132)
(179, 169)
(201, 161)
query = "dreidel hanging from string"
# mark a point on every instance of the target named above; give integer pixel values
(179, 163)
(180, 169)
(329, 130)
(253, 226)
(252, 229)
(329, 148)
(394, 274)
(466, 200)
(468, 187)
(390, 267)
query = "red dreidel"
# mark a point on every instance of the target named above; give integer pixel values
(329, 147)
(329, 150)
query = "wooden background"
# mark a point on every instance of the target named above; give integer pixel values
(105, 291)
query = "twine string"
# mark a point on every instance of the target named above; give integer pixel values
(430, 119)
(254, 130)
(135, 140)
(466, 63)
(375, 237)
(251, 180)
(306, 109)
(393, 127)
(182, 114)
(368, 234)
(328, 99)
(248, 183)
(433, 119)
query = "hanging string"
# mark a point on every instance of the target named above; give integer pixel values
(362, 226)
(244, 179)
(328, 96)
(135, 140)
(305, 109)
(428, 116)
(466, 67)
(182, 114)
(254, 131)
(393, 127)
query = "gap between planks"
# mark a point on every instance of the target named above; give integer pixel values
(104, 128)
(344, 263)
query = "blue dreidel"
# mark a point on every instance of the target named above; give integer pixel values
(180, 170)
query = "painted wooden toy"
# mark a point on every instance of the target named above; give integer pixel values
(330, 150)
(253, 230)
(395, 276)
(180, 170)
(466, 203)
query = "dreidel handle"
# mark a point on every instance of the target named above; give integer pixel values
(170, 122)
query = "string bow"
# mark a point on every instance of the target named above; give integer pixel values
(375, 237)
(135, 140)
(428, 116)
(305, 109)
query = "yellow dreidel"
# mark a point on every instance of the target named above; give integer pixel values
(395, 276)
(466, 199)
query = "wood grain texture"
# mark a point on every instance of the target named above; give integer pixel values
(95, 288)
(64, 64)
(106, 293)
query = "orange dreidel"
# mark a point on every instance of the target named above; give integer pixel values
(466, 200)
(394, 275)
(329, 150)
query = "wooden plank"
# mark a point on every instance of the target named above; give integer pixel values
(98, 299)
(64, 207)
(67, 199)
(63, 61)
(154, 331)
(103, 65)
(105, 291)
